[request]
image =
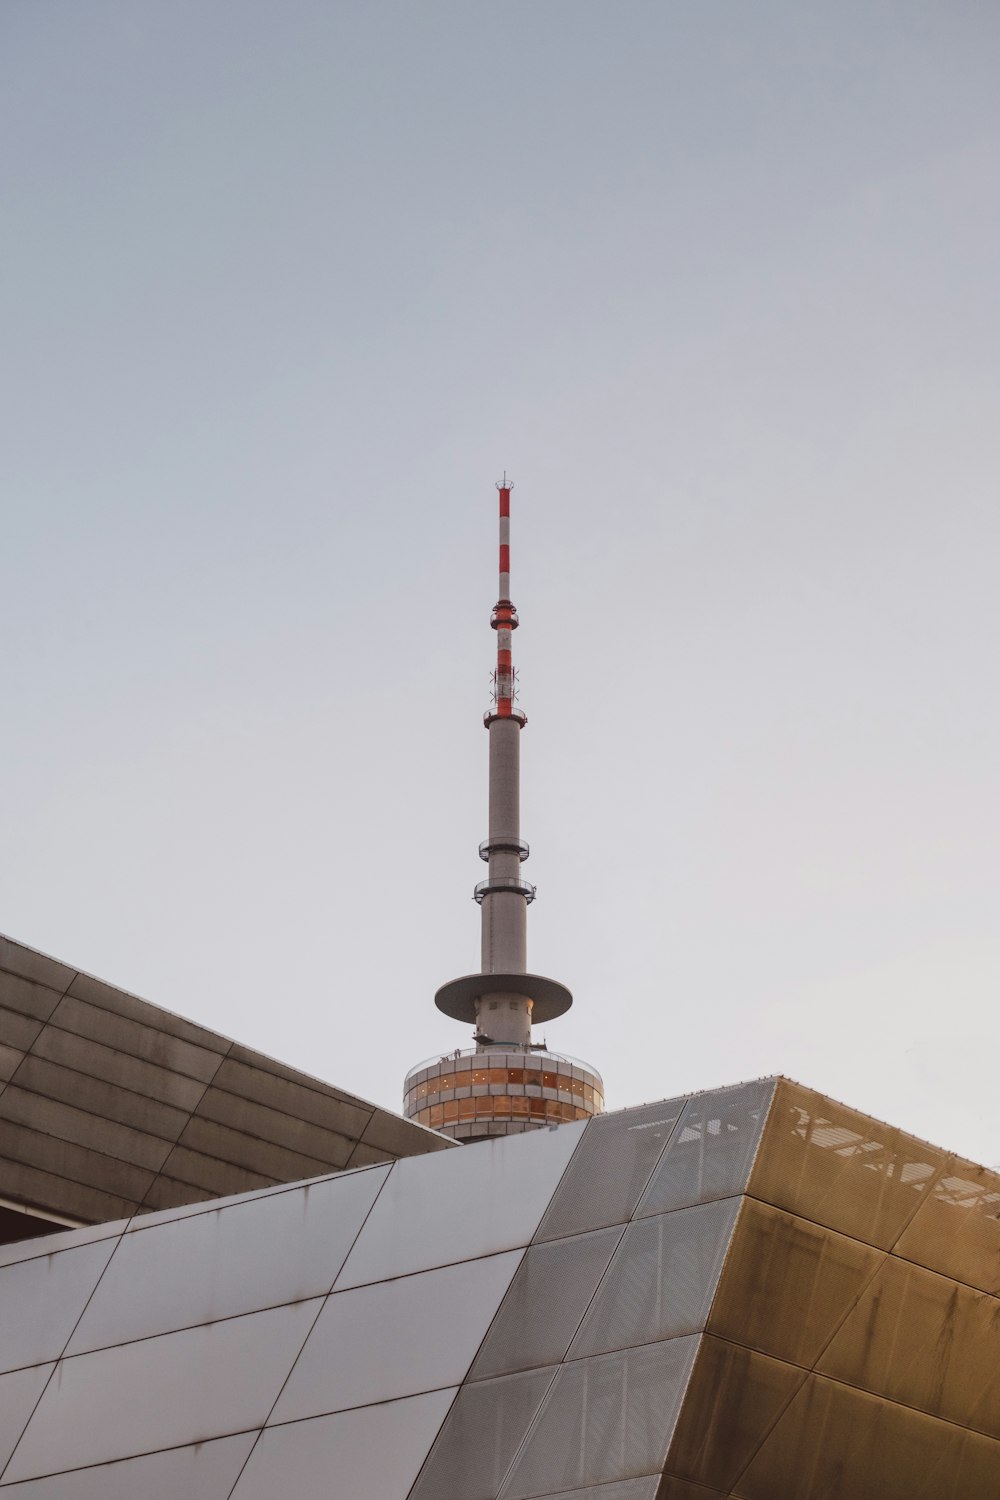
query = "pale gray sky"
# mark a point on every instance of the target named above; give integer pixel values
(284, 289)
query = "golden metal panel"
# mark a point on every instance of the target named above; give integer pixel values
(788, 1283)
(926, 1341)
(683, 1489)
(825, 1162)
(957, 1228)
(733, 1399)
(837, 1443)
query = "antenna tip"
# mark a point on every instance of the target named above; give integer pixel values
(504, 483)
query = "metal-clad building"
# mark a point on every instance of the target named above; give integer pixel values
(752, 1293)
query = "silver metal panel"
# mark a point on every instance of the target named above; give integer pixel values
(609, 1418)
(662, 1280)
(396, 1338)
(482, 1432)
(68, 1239)
(204, 1472)
(630, 1489)
(19, 1393)
(41, 1299)
(607, 1176)
(283, 1247)
(711, 1152)
(546, 1303)
(161, 1392)
(456, 1205)
(371, 1453)
(186, 1210)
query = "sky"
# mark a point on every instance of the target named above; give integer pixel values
(285, 289)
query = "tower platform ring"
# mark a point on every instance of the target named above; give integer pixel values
(458, 998)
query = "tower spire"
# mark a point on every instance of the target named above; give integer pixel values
(504, 618)
(503, 1000)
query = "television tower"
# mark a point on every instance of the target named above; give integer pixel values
(506, 1083)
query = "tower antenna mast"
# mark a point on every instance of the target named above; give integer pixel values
(503, 1001)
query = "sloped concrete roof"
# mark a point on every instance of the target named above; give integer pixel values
(110, 1105)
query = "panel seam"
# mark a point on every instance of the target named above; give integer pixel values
(191, 1113)
(322, 1304)
(811, 1369)
(44, 1027)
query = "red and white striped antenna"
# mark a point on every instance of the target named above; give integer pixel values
(504, 620)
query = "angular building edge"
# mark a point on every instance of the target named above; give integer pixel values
(111, 1105)
(752, 1292)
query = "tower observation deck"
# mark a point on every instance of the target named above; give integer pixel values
(506, 1083)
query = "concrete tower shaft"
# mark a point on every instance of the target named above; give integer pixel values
(505, 1015)
(505, 906)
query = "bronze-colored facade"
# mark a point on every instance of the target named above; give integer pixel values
(853, 1345)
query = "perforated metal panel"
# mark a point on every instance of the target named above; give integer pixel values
(661, 1281)
(480, 1437)
(546, 1303)
(956, 1230)
(610, 1169)
(712, 1151)
(826, 1162)
(609, 1418)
